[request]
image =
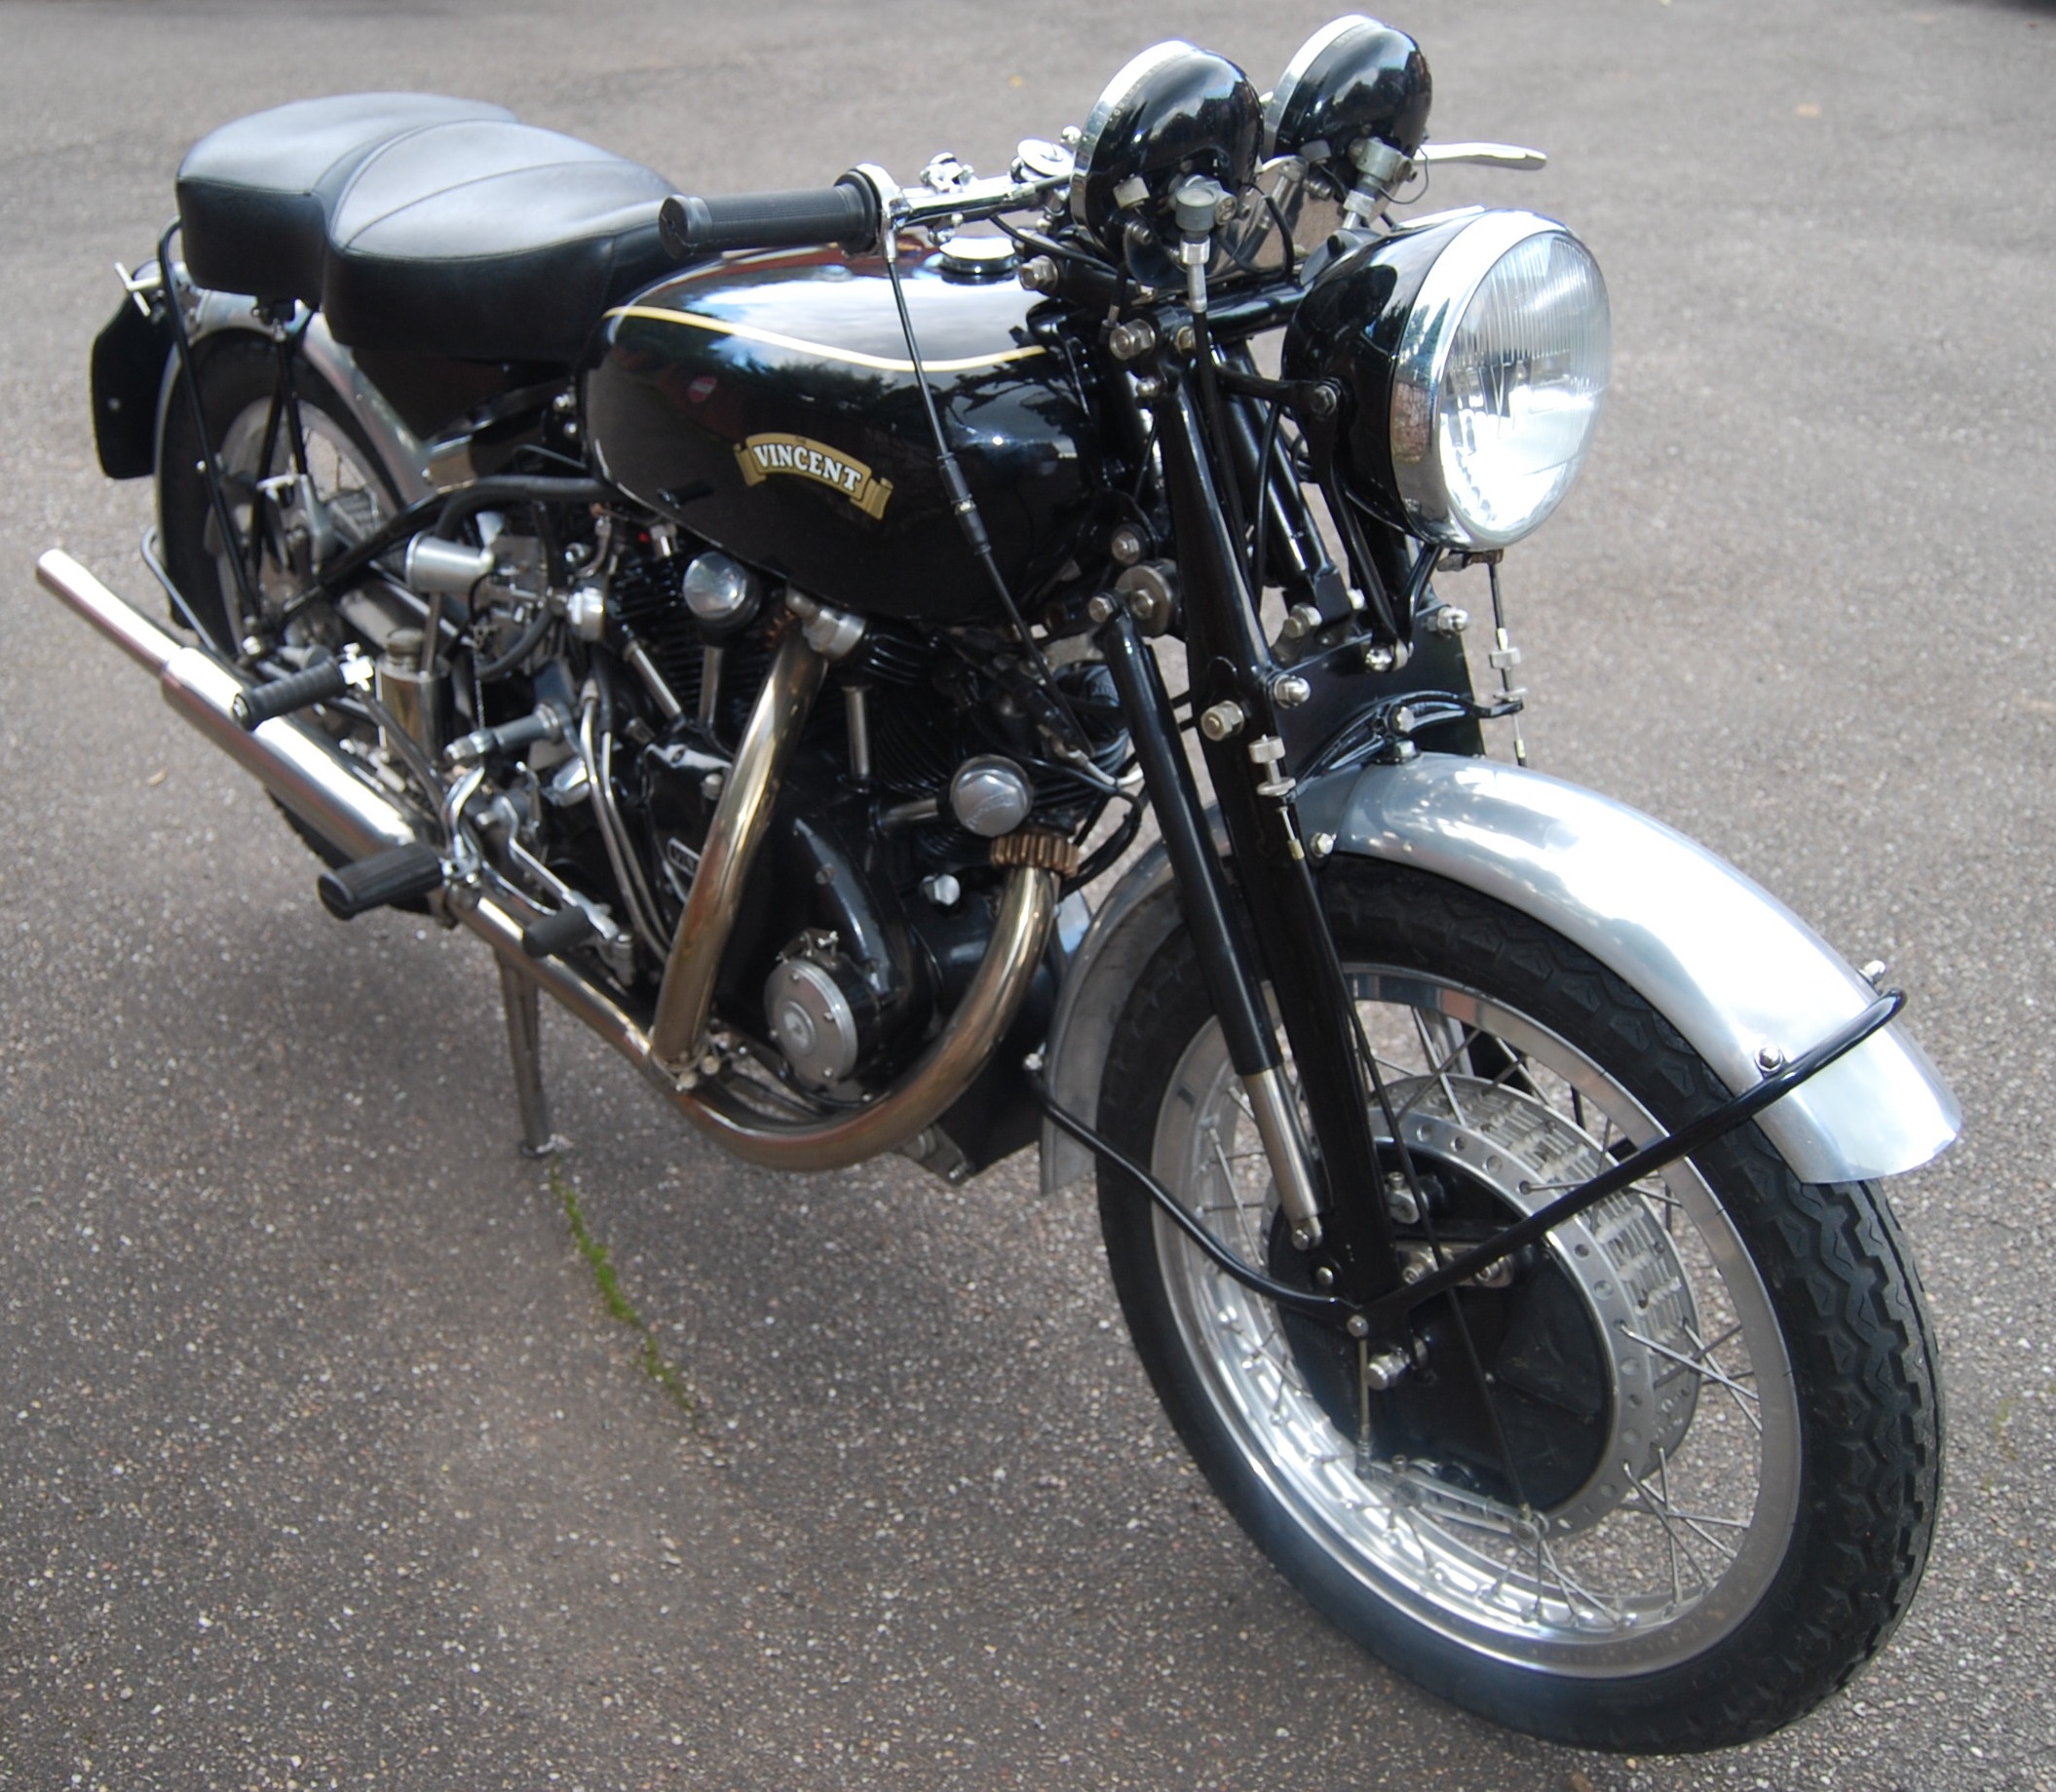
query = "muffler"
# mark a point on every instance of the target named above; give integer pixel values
(290, 758)
(304, 770)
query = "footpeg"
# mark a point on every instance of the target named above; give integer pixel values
(555, 934)
(317, 684)
(400, 874)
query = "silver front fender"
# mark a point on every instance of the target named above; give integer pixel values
(1723, 961)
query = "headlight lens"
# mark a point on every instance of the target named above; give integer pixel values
(1498, 382)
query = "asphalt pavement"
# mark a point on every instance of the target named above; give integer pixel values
(324, 1459)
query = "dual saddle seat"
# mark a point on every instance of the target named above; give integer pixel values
(422, 224)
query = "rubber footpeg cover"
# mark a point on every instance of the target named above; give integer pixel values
(317, 684)
(557, 934)
(400, 874)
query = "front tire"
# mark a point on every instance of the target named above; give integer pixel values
(1707, 1480)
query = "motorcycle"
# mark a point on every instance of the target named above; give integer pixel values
(750, 616)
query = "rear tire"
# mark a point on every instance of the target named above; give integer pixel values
(1776, 1498)
(237, 375)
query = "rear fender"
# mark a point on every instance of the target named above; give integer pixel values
(404, 455)
(129, 360)
(1726, 963)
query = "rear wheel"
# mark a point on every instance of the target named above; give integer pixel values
(237, 376)
(1661, 1485)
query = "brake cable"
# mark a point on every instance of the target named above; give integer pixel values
(1387, 1311)
(968, 517)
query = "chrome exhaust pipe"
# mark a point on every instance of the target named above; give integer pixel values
(928, 1090)
(303, 768)
(742, 819)
(293, 760)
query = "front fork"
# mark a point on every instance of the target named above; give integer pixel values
(1277, 932)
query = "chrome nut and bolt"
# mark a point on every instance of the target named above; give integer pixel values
(1126, 546)
(1132, 340)
(1039, 274)
(1266, 752)
(1301, 621)
(1290, 691)
(1152, 593)
(1446, 619)
(585, 610)
(1222, 721)
(1399, 1200)
(1384, 1370)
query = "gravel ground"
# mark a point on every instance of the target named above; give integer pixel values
(324, 1461)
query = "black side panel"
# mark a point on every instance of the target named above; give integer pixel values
(129, 360)
(436, 395)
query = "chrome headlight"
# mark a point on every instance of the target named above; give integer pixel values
(1474, 349)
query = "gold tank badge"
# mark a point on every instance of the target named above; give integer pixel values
(761, 456)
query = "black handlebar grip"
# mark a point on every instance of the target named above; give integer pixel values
(846, 213)
(399, 874)
(282, 696)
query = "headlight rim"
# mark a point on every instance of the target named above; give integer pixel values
(1421, 362)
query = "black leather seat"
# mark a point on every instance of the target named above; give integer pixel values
(254, 196)
(488, 240)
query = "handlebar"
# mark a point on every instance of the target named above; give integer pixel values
(846, 213)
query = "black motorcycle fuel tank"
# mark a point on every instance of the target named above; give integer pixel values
(768, 403)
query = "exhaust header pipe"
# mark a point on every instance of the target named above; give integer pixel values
(303, 768)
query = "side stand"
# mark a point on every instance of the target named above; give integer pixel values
(524, 1041)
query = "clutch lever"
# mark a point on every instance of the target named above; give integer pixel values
(1481, 155)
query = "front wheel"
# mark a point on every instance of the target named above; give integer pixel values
(1662, 1485)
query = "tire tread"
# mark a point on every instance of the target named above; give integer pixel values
(1832, 1258)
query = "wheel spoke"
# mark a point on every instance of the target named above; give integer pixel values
(1436, 1513)
(1711, 1372)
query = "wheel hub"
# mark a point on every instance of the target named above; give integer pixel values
(1586, 1346)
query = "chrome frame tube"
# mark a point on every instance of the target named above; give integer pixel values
(711, 661)
(856, 715)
